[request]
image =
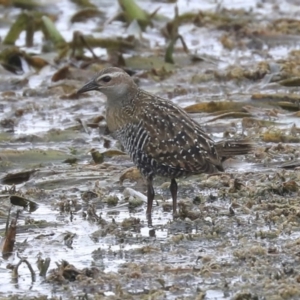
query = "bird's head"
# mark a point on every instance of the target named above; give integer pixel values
(113, 82)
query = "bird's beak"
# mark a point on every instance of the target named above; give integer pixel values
(89, 86)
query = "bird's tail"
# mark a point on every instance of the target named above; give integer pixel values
(230, 148)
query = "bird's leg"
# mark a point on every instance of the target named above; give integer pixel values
(173, 189)
(150, 195)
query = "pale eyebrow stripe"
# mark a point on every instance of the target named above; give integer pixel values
(116, 74)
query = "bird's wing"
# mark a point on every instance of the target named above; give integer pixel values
(174, 139)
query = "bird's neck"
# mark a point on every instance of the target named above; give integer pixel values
(121, 111)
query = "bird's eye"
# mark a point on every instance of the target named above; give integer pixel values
(106, 79)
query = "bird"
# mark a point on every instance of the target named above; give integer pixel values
(160, 137)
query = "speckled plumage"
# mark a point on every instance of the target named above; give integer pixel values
(159, 136)
(163, 140)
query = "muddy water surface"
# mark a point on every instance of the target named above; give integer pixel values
(237, 235)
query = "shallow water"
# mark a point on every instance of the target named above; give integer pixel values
(220, 253)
